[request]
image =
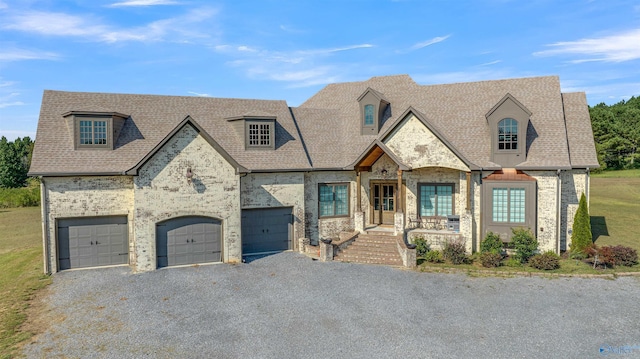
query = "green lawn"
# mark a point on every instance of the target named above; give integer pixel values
(615, 208)
(21, 271)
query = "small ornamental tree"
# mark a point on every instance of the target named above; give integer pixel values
(524, 243)
(581, 237)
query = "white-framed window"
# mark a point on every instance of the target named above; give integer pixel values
(508, 134)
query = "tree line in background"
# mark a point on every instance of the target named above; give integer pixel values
(15, 159)
(616, 129)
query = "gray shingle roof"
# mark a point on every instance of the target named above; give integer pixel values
(329, 123)
(152, 119)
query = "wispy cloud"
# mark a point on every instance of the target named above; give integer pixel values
(300, 68)
(491, 63)
(10, 98)
(424, 44)
(13, 54)
(130, 3)
(620, 47)
(199, 94)
(91, 28)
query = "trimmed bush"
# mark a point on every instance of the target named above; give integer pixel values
(524, 243)
(512, 262)
(545, 261)
(581, 236)
(490, 259)
(618, 256)
(491, 244)
(422, 247)
(455, 252)
(434, 257)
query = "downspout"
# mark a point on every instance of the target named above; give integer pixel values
(44, 221)
(559, 212)
(586, 187)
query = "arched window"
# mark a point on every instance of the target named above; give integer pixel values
(508, 134)
(368, 115)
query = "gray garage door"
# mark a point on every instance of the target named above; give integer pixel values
(266, 230)
(92, 242)
(189, 240)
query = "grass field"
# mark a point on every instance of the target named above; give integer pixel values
(615, 208)
(20, 273)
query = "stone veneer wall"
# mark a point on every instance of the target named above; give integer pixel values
(162, 192)
(547, 221)
(67, 197)
(317, 228)
(574, 183)
(263, 190)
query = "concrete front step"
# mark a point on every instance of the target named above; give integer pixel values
(372, 247)
(381, 233)
(369, 260)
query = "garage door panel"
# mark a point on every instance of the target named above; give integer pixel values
(189, 240)
(266, 230)
(92, 241)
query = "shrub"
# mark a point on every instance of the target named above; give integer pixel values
(524, 243)
(490, 259)
(19, 197)
(617, 255)
(455, 252)
(433, 257)
(491, 244)
(581, 236)
(545, 261)
(422, 247)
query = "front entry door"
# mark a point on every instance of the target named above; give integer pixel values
(384, 202)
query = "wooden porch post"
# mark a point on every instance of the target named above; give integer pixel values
(399, 192)
(358, 191)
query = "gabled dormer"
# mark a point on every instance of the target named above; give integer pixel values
(257, 130)
(94, 130)
(508, 121)
(372, 108)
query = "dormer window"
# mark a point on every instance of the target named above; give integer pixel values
(368, 115)
(508, 134)
(259, 134)
(257, 130)
(94, 130)
(508, 121)
(372, 111)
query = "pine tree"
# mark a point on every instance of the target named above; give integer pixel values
(581, 236)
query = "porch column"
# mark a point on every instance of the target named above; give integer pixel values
(358, 215)
(358, 192)
(398, 217)
(399, 194)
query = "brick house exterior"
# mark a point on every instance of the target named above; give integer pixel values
(154, 181)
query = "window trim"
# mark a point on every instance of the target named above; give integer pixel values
(259, 122)
(78, 119)
(504, 228)
(436, 184)
(348, 199)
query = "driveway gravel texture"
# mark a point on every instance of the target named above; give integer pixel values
(289, 306)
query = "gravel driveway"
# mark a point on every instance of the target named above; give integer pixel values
(288, 306)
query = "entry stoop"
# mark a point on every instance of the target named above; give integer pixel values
(374, 247)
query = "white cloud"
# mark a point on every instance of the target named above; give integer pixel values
(620, 47)
(7, 104)
(491, 63)
(86, 26)
(199, 94)
(429, 42)
(8, 55)
(300, 68)
(143, 3)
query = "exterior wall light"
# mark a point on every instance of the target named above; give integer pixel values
(189, 175)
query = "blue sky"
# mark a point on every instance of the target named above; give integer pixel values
(289, 50)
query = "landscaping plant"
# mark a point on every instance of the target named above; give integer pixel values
(434, 256)
(491, 244)
(545, 261)
(581, 237)
(422, 247)
(524, 243)
(455, 252)
(490, 259)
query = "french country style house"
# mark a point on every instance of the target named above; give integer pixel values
(155, 181)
